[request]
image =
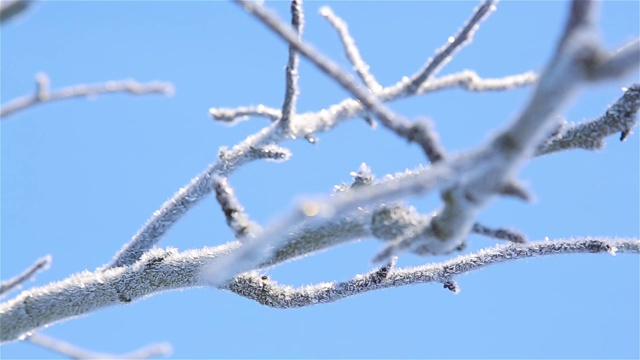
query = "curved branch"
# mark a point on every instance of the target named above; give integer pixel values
(269, 293)
(162, 270)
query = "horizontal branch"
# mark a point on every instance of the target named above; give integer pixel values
(43, 93)
(268, 292)
(162, 270)
(75, 352)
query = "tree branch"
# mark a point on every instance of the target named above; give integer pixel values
(40, 265)
(351, 50)
(75, 352)
(162, 270)
(44, 94)
(269, 293)
(291, 87)
(621, 117)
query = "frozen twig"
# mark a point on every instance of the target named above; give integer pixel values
(502, 234)
(470, 80)
(454, 44)
(242, 113)
(351, 50)
(269, 293)
(162, 270)
(11, 8)
(291, 87)
(621, 117)
(75, 352)
(44, 94)
(40, 265)
(234, 213)
(395, 123)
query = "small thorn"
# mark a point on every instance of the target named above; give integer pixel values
(372, 123)
(624, 134)
(517, 190)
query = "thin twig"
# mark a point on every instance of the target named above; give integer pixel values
(40, 265)
(44, 94)
(351, 50)
(454, 44)
(502, 234)
(75, 352)
(234, 213)
(291, 86)
(470, 80)
(242, 113)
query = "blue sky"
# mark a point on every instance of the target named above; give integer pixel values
(79, 177)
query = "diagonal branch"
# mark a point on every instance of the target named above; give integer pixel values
(454, 44)
(234, 213)
(350, 48)
(621, 117)
(40, 265)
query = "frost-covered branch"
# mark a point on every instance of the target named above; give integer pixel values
(471, 180)
(162, 270)
(75, 352)
(291, 87)
(351, 50)
(234, 213)
(268, 292)
(244, 112)
(621, 117)
(470, 80)
(301, 126)
(454, 44)
(39, 265)
(370, 101)
(44, 93)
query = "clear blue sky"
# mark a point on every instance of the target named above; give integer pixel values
(79, 178)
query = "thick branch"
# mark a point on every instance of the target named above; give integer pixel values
(159, 270)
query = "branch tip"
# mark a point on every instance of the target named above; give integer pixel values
(451, 286)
